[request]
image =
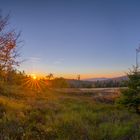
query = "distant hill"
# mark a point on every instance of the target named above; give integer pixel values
(97, 82)
(96, 79)
(121, 78)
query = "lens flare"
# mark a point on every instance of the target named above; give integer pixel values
(34, 77)
(34, 83)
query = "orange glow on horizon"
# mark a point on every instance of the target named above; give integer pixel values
(100, 74)
(83, 75)
(33, 76)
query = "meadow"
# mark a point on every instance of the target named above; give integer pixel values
(68, 114)
(67, 39)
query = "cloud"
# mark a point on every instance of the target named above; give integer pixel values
(34, 59)
(58, 62)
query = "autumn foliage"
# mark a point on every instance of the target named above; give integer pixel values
(8, 48)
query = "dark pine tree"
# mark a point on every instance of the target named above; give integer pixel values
(130, 97)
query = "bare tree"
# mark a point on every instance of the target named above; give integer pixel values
(50, 76)
(8, 46)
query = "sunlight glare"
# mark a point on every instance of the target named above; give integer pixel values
(34, 77)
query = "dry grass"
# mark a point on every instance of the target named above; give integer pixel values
(69, 115)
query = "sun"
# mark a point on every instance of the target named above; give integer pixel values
(34, 82)
(34, 77)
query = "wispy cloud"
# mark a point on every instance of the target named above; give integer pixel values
(59, 61)
(34, 59)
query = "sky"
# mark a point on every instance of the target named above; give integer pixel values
(93, 38)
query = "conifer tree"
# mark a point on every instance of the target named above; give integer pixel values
(130, 97)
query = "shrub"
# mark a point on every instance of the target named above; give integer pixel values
(130, 97)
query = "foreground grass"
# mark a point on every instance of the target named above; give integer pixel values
(49, 115)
